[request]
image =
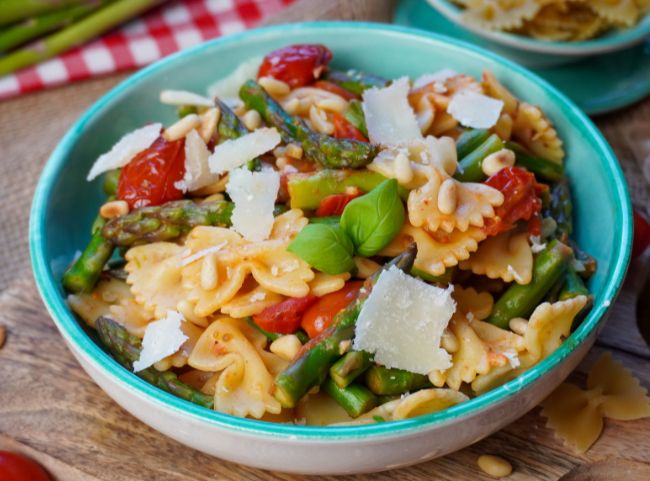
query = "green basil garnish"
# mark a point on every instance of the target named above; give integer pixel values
(373, 220)
(324, 247)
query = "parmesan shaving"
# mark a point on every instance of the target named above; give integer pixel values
(201, 254)
(236, 152)
(197, 170)
(162, 338)
(439, 76)
(475, 110)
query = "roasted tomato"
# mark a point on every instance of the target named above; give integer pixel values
(16, 467)
(345, 130)
(284, 317)
(297, 65)
(150, 176)
(336, 89)
(641, 234)
(319, 316)
(335, 203)
(521, 201)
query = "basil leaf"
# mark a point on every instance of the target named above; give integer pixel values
(324, 247)
(373, 220)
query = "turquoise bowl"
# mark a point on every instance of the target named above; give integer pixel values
(65, 204)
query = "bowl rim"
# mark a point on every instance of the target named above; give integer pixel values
(73, 332)
(604, 44)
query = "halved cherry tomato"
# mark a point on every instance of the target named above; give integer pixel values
(521, 200)
(150, 176)
(335, 203)
(297, 65)
(319, 316)
(345, 130)
(641, 234)
(16, 467)
(336, 89)
(284, 317)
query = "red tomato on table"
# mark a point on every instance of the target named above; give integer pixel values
(345, 130)
(16, 467)
(320, 315)
(284, 317)
(150, 176)
(521, 202)
(297, 65)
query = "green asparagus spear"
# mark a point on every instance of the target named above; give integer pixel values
(349, 367)
(470, 140)
(442, 278)
(311, 367)
(355, 81)
(307, 190)
(385, 381)
(587, 263)
(542, 168)
(573, 286)
(16, 10)
(230, 127)
(354, 114)
(111, 180)
(84, 273)
(125, 348)
(469, 167)
(561, 209)
(85, 29)
(165, 222)
(185, 110)
(323, 149)
(520, 300)
(355, 398)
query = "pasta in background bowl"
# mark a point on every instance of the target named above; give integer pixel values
(59, 224)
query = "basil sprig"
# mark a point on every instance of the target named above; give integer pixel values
(368, 224)
(373, 220)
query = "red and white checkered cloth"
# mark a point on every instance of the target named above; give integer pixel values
(171, 27)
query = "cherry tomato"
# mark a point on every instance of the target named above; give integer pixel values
(345, 130)
(16, 467)
(336, 89)
(641, 234)
(319, 316)
(284, 317)
(150, 176)
(297, 65)
(335, 203)
(521, 201)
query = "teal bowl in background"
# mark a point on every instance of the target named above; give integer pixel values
(65, 204)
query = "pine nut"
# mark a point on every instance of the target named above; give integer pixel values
(274, 87)
(281, 162)
(448, 197)
(114, 208)
(209, 272)
(286, 347)
(425, 114)
(252, 119)
(209, 121)
(319, 120)
(365, 267)
(187, 310)
(292, 106)
(449, 341)
(345, 346)
(294, 150)
(403, 170)
(181, 128)
(496, 161)
(332, 104)
(518, 325)
(495, 466)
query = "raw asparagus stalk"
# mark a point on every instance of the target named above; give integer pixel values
(125, 348)
(469, 140)
(76, 34)
(307, 190)
(355, 398)
(323, 149)
(354, 114)
(311, 367)
(386, 382)
(349, 367)
(469, 167)
(542, 168)
(355, 81)
(520, 300)
(16, 10)
(165, 222)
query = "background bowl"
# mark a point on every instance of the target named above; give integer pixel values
(65, 205)
(543, 53)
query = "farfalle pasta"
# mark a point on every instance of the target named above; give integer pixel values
(335, 248)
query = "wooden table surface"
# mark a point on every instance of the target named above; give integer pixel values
(52, 411)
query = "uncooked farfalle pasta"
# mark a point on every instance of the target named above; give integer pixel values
(328, 247)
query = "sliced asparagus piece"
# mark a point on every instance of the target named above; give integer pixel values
(542, 168)
(355, 81)
(470, 140)
(350, 367)
(354, 114)
(387, 382)
(355, 398)
(470, 166)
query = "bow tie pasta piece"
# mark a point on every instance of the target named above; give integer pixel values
(250, 302)
(534, 131)
(495, 89)
(644, 6)
(244, 385)
(499, 14)
(287, 225)
(622, 13)
(434, 256)
(565, 21)
(179, 358)
(475, 305)
(447, 204)
(323, 284)
(274, 363)
(507, 256)
(576, 415)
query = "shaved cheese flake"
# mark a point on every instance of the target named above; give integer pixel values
(201, 254)
(236, 152)
(125, 149)
(475, 110)
(197, 170)
(228, 87)
(402, 322)
(389, 117)
(183, 97)
(254, 195)
(439, 76)
(162, 338)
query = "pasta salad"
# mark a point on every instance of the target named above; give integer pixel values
(325, 247)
